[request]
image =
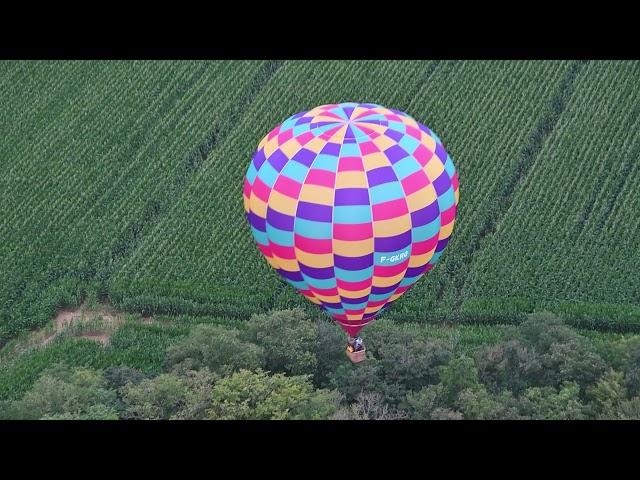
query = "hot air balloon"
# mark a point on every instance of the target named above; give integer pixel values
(351, 204)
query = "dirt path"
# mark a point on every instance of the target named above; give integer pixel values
(102, 338)
(110, 320)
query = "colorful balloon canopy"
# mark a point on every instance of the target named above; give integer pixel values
(351, 204)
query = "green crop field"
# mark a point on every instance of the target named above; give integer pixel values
(121, 182)
(124, 179)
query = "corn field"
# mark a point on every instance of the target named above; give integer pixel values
(122, 180)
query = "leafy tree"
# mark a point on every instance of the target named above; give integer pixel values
(64, 391)
(473, 403)
(458, 375)
(478, 404)
(289, 340)
(542, 329)
(49, 396)
(247, 395)
(369, 406)
(565, 355)
(508, 365)
(630, 409)
(320, 405)
(408, 361)
(219, 349)
(352, 380)
(446, 414)
(572, 361)
(118, 376)
(398, 361)
(632, 368)
(460, 395)
(7, 410)
(547, 403)
(544, 352)
(412, 364)
(198, 393)
(616, 353)
(330, 351)
(608, 395)
(154, 398)
(94, 412)
(423, 403)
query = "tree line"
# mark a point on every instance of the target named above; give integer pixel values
(283, 365)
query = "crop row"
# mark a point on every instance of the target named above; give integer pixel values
(89, 171)
(203, 250)
(126, 177)
(572, 233)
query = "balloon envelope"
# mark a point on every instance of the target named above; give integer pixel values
(351, 204)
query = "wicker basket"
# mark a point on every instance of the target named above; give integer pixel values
(357, 357)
